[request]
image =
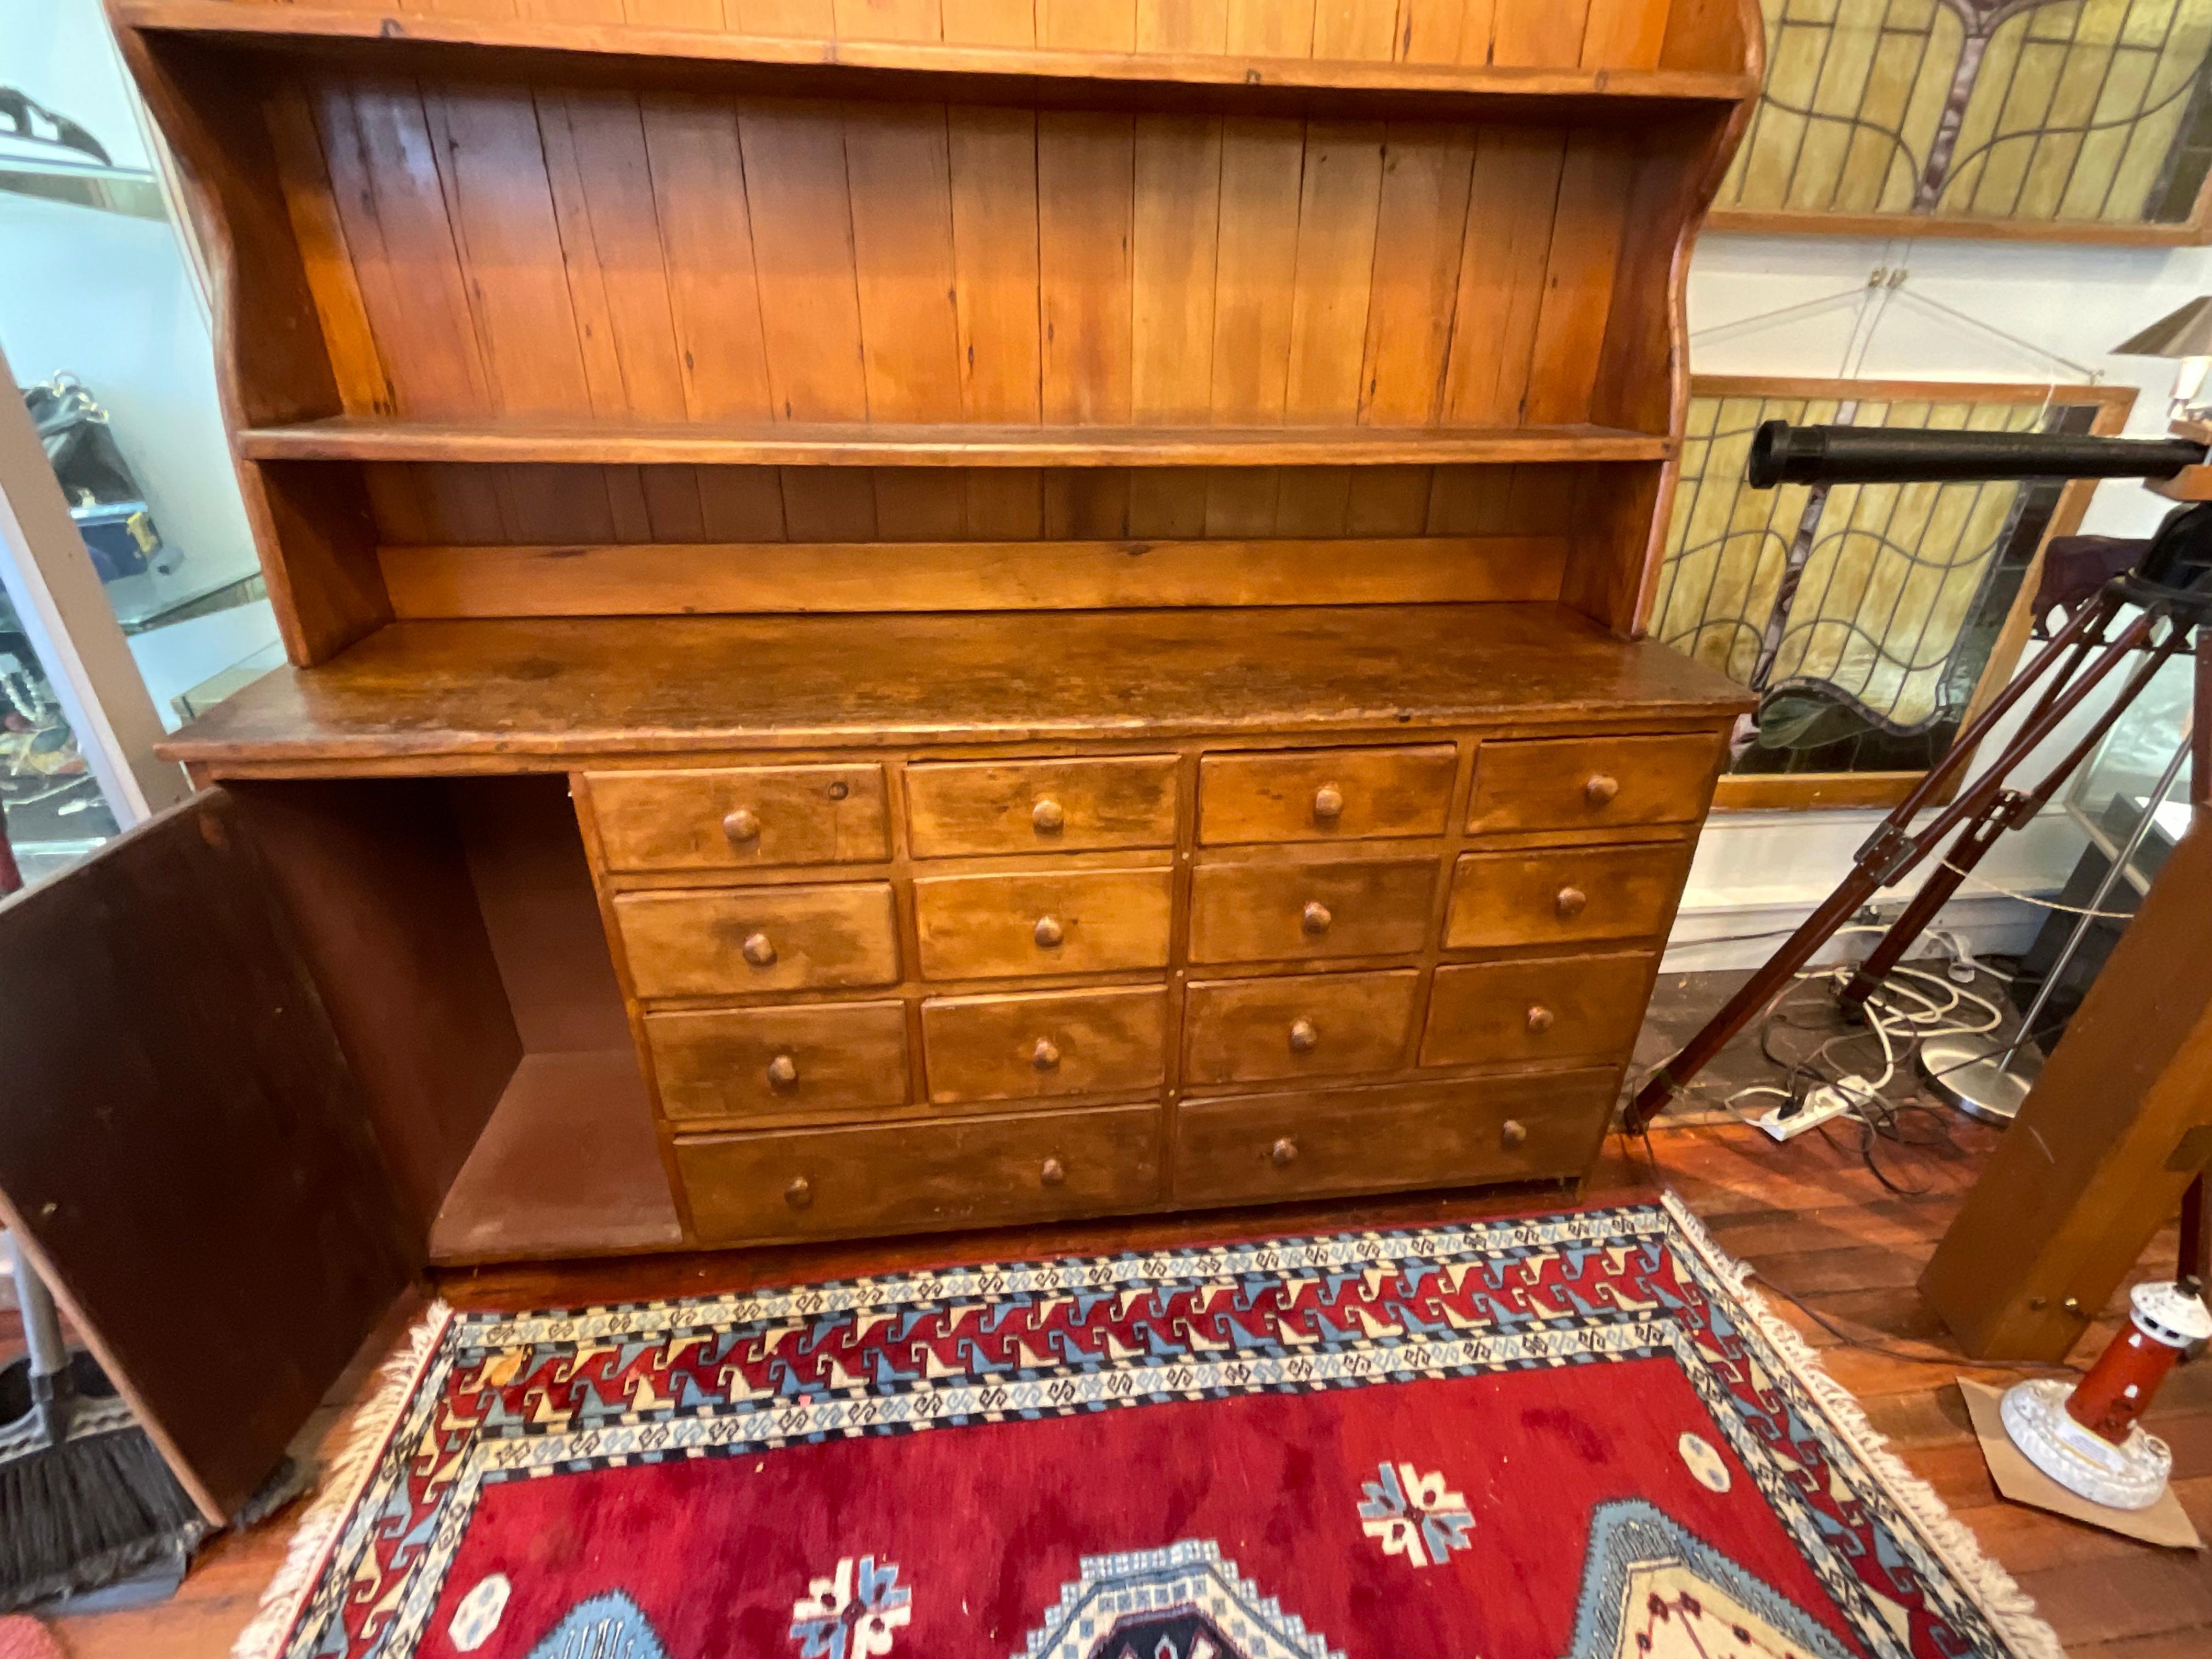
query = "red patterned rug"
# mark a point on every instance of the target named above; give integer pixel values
(1567, 1437)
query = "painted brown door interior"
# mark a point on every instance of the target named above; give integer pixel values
(183, 1144)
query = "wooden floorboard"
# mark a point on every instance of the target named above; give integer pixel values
(1809, 1216)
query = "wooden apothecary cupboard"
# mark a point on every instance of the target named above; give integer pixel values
(902, 616)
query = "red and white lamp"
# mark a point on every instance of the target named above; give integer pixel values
(2088, 1440)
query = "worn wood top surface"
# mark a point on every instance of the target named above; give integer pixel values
(514, 691)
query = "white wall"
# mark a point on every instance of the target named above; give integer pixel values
(108, 297)
(1758, 871)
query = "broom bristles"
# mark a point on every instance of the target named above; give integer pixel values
(87, 1513)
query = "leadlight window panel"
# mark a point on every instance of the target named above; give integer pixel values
(2036, 111)
(1902, 590)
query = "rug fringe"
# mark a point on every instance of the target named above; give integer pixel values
(2010, 1609)
(344, 1480)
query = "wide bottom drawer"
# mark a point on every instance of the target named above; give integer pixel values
(921, 1177)
(1264, 1147)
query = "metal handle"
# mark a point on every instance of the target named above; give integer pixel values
(1513, 1132)
(1601, 790)
(1304, 1037)
(50, 1380)
(758, 951)
(1046, 1055)
(1284, 1153)
(1048, 816)
(742, 824)
(1047, 932)
(799, 1194)
(1316, 918)
(783, 1071)
(1329, 803)
(1570, 902)
(1539, 1019)
(1052, 1174)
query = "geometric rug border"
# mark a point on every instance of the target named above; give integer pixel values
(1919, 1522)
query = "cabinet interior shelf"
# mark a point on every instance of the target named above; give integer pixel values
(884, 443)
(533, 47)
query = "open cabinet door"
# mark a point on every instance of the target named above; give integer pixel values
(183, 1146)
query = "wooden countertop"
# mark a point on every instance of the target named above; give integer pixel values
(514, 694)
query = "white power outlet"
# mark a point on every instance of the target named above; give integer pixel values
(1824, 1103)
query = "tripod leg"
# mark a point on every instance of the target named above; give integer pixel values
(2195, 1242)
(1888, 854)
(2005, 810)
(1935, 893)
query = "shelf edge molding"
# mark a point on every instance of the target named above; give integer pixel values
(798, 444)
(279, 26)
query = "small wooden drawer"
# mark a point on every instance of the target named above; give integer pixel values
(961, 807)
(1562, 1008)
(733, 940)
(1322, 794)
(1245, 1030)
(753, 1062)
(1271, 911)
(1575, 783)
(1260, 1147)
(1033, 1045)
(1060, 921)
(745, 815)
(1557, 894)
(919, 1178)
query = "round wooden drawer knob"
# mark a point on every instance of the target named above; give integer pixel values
(758, 951)
(1046, 1055)
(1539, 1019)
(1601, 790)
(1514, 1131)
(783, 1071)
(1570, 902)
(742, 825)
(1316, 917)
(799, 1194)
(1048, 816)
(1304, 1037)
(1048, 931)
(1052, 1174)
(1329, 803)
(1284, 1153)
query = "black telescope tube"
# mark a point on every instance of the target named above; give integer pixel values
(1783, 454)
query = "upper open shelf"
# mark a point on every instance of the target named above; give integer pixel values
(856, 444)
(1622, 60)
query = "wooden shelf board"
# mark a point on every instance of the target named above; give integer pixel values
(883, 444)
(568, 1164)
(536, 695)
(309, 27)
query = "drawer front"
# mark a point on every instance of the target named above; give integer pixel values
(1562, 1008)
(1061, 922)
(747, 815)
(1320, 794)
(1244, 1030)
(958, 807)
(1043, 1044)
(1262, 1147)
(1289, 912)
(741, 1062)
(1576, 783)
(740, 939)
(919, 1178)
(1553, 897)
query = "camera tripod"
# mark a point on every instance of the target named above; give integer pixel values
(2171, 589)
